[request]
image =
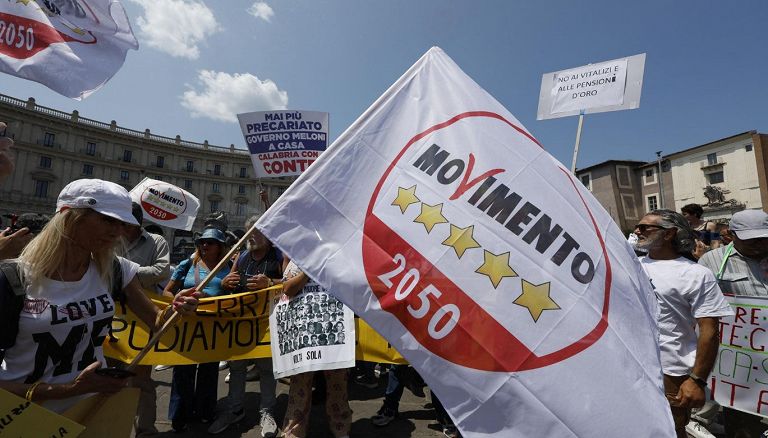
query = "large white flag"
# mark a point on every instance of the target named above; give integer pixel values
(443, 223)
(73, 46)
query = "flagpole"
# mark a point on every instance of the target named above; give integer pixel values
(175, 316)
(578, 140)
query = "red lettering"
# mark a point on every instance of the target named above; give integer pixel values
(754, 318)
(760, 401)
(722, 329)
(731, 341)
(740, 312)
(289, 166)
(466, 184)
(733, 390)
(751, 340)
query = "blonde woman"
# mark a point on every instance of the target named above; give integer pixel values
(67, 304)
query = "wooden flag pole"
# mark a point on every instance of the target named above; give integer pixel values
(174, 319)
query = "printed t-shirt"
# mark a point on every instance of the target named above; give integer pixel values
(685, 291)
(61, 329)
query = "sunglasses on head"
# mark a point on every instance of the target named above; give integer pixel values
(644, 227)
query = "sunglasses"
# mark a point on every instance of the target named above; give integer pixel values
(644, 227)
(207, 242)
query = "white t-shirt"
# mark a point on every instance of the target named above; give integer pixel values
(685, 291)
(61, 328)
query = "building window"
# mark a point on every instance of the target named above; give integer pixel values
(715, 177)
(628, 204)
(188, 184)
(160, 162)
(748, 148)
(240, 209)
(217, 169)
(127, 155)
(158, 177)
(41, 189)
(243, 172)
(624, 177)
(124, 175)
(88, 169)
(649, 176)
(712, 159)
(586, 179)
(48, 139)
(214, 206)
(190, 166)
(241, 189)
(215, 188)
(45, 162)
(90, 148)
(653, 203)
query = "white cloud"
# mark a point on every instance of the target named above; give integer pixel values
(176, 27)
(224, 95)
(261, 10)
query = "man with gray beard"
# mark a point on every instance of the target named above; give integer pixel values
(689, 298)
(259, 267)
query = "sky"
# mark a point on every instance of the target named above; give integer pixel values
(201, 62)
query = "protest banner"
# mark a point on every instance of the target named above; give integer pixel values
(284, 143)
(230, 327)
(483, 261)
(739, 378)
(312, 331)
(19, 417)
(604, 86)
(71, 47)
(166, 204)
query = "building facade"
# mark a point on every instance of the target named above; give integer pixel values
(723, 176)
(53, 148)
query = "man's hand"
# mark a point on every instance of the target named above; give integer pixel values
(231, 281)
(259, 281)
(12, 244)
(690, 395)
(6, 155)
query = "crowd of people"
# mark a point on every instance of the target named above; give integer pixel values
(59, 287)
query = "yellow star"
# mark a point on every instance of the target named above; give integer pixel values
(496, 267)
(536, 299)
(430, 216)
(461, 239)
(405, 197)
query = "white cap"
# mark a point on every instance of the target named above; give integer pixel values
(750, 224)
(102, 196)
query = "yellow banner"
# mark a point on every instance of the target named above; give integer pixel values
(229, 327)
(19, 417)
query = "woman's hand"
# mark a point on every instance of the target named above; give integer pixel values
(186, 301)
(88, 381)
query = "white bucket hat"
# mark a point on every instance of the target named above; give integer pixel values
(102, 196)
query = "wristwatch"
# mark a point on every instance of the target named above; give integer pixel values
(699, 381)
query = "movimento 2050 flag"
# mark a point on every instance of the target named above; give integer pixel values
(73, 47)
(443, 223)
(166, 204)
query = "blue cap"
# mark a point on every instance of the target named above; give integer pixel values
(212, 233)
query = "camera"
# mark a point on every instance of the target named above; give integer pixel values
(34, 221)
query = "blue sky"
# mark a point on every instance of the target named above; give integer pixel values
(704, 73)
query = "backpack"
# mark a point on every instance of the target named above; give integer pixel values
(12, 293)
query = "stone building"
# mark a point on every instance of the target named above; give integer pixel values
(53, 148)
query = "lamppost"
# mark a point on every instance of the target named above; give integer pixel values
(661, 183)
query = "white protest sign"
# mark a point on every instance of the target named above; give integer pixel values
(591, 86)
(443, 223)
(311, 331)
(594, 88)
(739, 378)
(284, 143)
(166, 204)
